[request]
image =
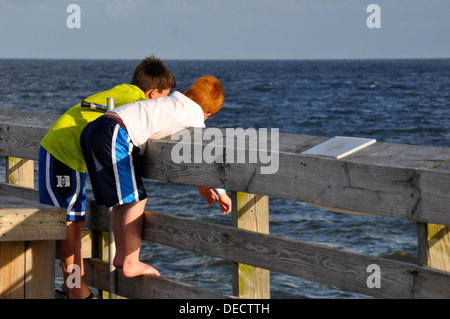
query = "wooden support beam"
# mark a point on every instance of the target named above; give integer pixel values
(438, 246)
(20, 172)
(251, 212)
(40, 269)
(28, 232)
(434, 239)
(12, 270)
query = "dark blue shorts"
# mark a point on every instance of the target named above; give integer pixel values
(111, 159)
(61, 186)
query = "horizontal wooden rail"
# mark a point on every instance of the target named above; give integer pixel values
(339, 268)
(25, 220)
(394, 180)
(145, 287)
(22, 192)
(21, 132)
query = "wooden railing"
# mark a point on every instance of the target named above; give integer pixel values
(393, 180)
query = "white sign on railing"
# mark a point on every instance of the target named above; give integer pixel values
(340, 146)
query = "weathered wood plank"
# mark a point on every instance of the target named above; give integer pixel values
(343, 269)
(20, 171)
(24, 220)
(20, 192)
(96, 216)
(12, 266)
(21, 132)
(384, 179)
(438, 247)
(251, 212)
(151, 287)
(39, 272)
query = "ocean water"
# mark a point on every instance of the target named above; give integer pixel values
(397, 101)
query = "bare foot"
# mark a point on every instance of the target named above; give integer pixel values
(130, 270)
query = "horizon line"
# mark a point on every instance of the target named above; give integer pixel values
(231, 59)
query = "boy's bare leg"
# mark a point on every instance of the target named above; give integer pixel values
(127, 224)
(71, 255)
(117, 217)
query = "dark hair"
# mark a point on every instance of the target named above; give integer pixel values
(151, 73)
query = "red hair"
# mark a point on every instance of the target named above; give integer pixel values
(207, 92)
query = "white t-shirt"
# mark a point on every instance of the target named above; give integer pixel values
(158, 118)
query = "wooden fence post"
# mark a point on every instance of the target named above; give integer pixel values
(434, 241)
(20, 172)
(438, 246)
(251, 212)
(434, 246)
(31, 263)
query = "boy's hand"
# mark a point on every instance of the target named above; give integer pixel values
(208, 194)
(225, 203)
(211, 197)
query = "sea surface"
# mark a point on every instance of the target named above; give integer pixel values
(397, 101)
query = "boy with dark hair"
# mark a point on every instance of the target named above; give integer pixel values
(62, 170)
(111, 144)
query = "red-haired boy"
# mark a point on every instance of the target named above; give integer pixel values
(111, 144)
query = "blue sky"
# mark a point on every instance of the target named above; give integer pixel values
(225, 29)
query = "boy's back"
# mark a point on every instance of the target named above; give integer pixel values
(159, 118)
(62, 140)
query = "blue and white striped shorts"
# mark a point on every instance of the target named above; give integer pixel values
(61, 186)
(111, 159)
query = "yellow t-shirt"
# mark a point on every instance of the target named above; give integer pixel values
(63, 138)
